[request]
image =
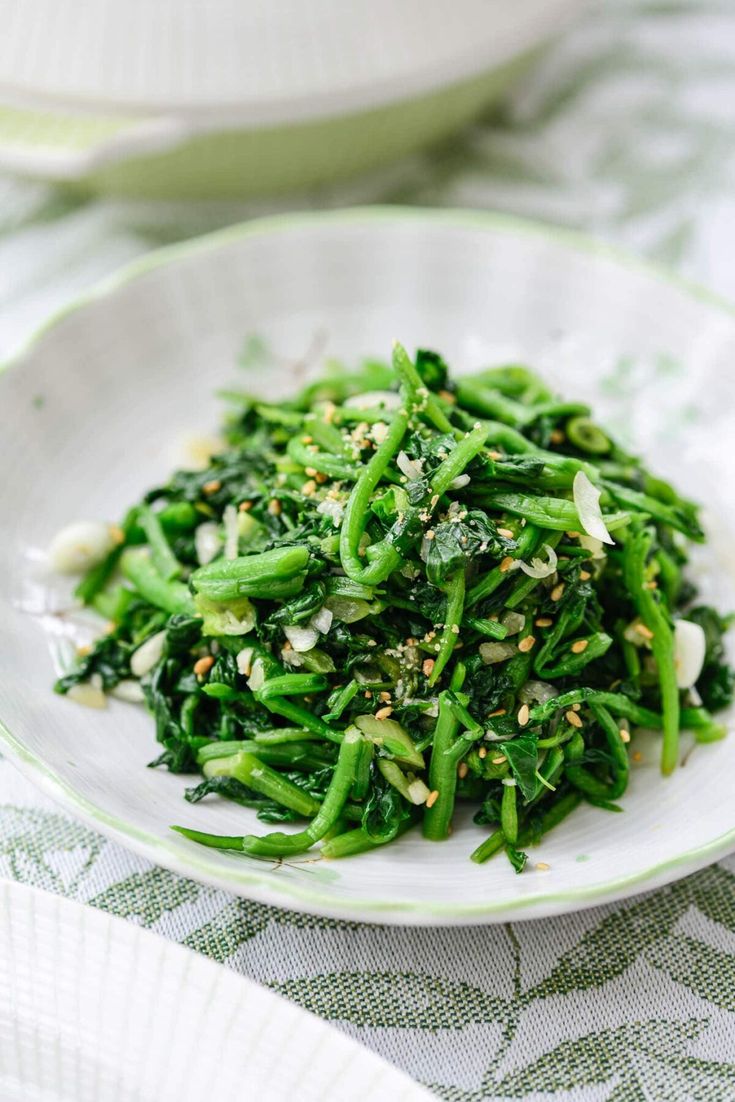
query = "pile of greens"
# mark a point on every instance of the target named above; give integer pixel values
(400, 591)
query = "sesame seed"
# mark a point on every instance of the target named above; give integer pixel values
(505, 532)
(572, 535)
(203, 665)
(498, 712)
(447, 396)
(557, 436)
(542, 866)
(506, 564)
(462, 770)
(384, 696)
(526, 644)
(524, 714)
(429, 535)
(495, 454)
(321, 477)
(245, 506)
(309, 488)
(311, 471)
(427, 667)
(274, 507)
(638, 756)
(557, 592)
(644, 630)
(544, 622)
(84, 650)
(117, 534)
(580, 646)
(455, 629)
(482, 752)
(383, 713)
(584, 575)
(624, 735)
(212, 487)
(576, 707)
(307, 439)
(498, 761)
(573, 719)
(368, 695)
(432, 798)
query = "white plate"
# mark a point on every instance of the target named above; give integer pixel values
(95, 1009)
(93, 408)
(183, 99)
(260, 61)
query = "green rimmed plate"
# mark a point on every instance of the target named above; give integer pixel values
(238, 100)
(94, 405)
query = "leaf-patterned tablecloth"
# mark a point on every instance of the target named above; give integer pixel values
(627, 130)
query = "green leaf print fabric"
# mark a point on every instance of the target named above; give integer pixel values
(627, 130)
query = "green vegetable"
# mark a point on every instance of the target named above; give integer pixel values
(138, 566)
(417, 621)
(276, 573)
(587, 436)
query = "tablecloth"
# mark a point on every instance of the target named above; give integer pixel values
(626, 129)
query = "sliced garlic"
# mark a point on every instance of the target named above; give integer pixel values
(690, 648)
(129, 691)
(147, 655)
(90, 696)
(80, 545)
(207, 542)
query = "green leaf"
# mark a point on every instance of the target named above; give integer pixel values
(32, 841)
(712, 891)
(716, 682)
(708, 972)
(394, 1000)
(147, 895)
(598, 1057)
(522, 754)
(628, 1090)
(457, 541)
(384, 812)
(614, 945)
(594, 1058)
(516, 857)
(705, 1079)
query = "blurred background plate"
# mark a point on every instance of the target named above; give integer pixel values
(232, 99)
(95, 1009)
(99, 401)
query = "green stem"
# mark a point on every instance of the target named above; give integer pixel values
(452, 621)
(173, 597)
(278, 844)
(442, 772)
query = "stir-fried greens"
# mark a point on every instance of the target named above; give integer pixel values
(399, 591)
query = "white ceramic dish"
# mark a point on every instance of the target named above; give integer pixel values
(94, 405)
(227, 98)
(263, 61)
(95, 1009)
